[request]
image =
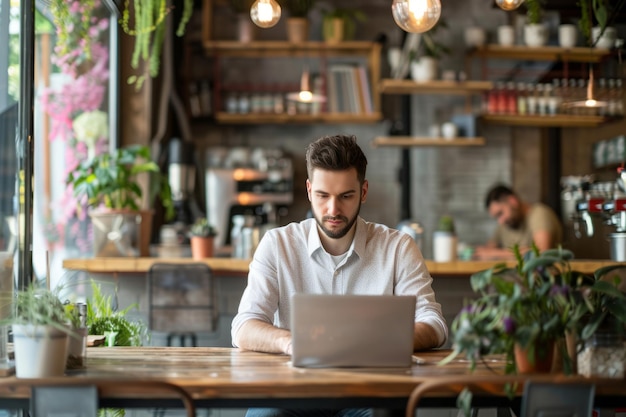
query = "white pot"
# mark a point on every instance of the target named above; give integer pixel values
(535, 34)
(444, 246)
(424, 69)
(40, 351)
(608, 38)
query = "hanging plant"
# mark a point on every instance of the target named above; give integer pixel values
(149, 32)
(77, 24)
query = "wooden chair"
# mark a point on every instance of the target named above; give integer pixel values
(81, 397)
(181, 300)
(547, 396)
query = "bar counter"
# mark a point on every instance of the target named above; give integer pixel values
(239, 267)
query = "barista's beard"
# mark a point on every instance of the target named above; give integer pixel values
(341, 232)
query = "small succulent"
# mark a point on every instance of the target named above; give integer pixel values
(202, 228)
(446, 224)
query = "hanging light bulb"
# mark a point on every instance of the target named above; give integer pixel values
(416, 16)
(265, 13)
(305, 95)
(509, 4)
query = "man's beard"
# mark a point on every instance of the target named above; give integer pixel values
(516, 220)
(341, 232)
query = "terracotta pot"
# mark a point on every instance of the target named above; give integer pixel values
(201, 247)
(539, 362)
(297, 29)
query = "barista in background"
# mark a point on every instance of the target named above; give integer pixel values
(519, 223)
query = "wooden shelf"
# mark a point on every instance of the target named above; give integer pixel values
(408, 141)
(284, 48)
(559, 120)
(230, 118)
(393, 86)
(543, 53)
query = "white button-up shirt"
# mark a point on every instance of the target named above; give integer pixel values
(291, 260)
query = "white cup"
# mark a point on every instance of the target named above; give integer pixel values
(567, 35)
(475, 36)
(449, 130)
(506, 35)
(444, 246)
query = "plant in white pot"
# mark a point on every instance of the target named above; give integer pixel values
(535, 32)
(425, 61)
(40, 332)
(109, 185)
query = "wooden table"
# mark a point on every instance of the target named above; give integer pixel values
(225, 377)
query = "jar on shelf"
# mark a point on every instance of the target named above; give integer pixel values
(603, 355)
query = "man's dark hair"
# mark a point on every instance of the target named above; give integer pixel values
(498, 193)
(336, 153)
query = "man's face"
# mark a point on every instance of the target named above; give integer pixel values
(507, 212)
(336, 198)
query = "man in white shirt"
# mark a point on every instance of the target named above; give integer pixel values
(336, 252)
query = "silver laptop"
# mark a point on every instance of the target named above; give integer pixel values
(352, 330)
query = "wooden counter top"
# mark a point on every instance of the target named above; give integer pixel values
(239, 267)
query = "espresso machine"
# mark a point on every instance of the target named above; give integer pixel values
(256, 183)
(605, 201)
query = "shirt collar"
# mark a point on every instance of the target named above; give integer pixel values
(358, 243)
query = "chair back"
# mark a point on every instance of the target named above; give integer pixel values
(181, 298)
(61, 396)
(545, 399)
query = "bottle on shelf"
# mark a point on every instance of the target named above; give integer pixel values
(521, 98)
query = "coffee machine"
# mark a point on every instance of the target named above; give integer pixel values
(242, 181)
(605, 201)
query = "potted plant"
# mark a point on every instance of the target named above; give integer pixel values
(297, 22)
(425, 59)
(103, 318)
(445, 240)
(77, 343)
(520, 311)
(245, 27)
(202, 239)
(108, 184)
(596, 18)
(40, 331)
(535, 32)
(340, 23)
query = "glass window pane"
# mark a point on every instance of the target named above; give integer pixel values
(72, 123)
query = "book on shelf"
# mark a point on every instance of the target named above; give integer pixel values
(349, 89)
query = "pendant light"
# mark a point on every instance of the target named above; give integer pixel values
(416, 16)
(590, 101)
(509, 4)
(265, 13)
(305, 95)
